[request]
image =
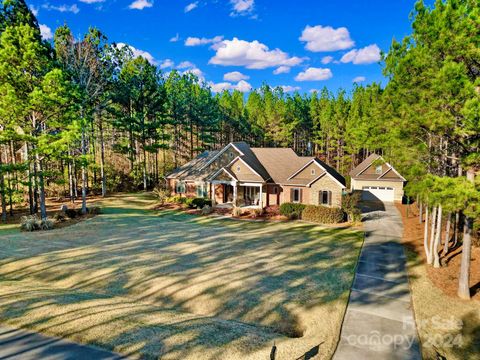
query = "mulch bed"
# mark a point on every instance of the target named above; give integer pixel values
(446, 277)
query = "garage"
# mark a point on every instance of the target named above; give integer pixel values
(383, 193)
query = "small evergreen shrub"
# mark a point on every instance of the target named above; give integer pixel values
(71, 213)
(350, 206)
(292, 210)
(195, 203)
(257, 212)
(60, 217)
(323, 214)
(176, 199)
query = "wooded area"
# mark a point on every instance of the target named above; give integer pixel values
(83, 116)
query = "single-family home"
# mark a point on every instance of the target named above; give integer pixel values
(259, 177)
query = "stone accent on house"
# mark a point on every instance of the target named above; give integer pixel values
(328, 184)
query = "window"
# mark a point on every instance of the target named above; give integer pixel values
(378, 169)
(389, 188)
(312, 172)
(230, 155)
(202, 190)
(238, 168)
(324, 197)
(296, 195)
(180, 187)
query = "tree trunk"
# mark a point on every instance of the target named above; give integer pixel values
(432, 235)
(436, 263)
(425, 234)
(420, 216)
(2, 193)
(464, 278)
(447, 234)
(102, 160)
(41, 183)
(84, 174)
(456, 226)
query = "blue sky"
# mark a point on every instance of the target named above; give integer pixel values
(302, 44)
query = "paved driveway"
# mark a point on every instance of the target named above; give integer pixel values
(18, 344)
(379, 322)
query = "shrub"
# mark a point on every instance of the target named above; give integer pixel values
(33, 223)
(162, 194)
(206, 210)
(350, 206)
(71, 213)
(236, 211)
(177, 199)
(292, 210)
(257, 212)
(323, 214)
(59, 217)
(195, 203)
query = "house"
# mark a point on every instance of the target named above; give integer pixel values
(377, 179)
(258, 177)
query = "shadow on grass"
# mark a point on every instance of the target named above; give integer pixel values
(224, 282)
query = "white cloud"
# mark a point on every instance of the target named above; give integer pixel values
(185, 65)
(140, 4)
(366, 55)
(139, 53)
(359, 79)
(92, 1)
(191, 6)
(62, 8)
(175, 38)
(242, 86)
(242, 7)
(319, 38)
(252, 55)
(289, 88)
(34, 10)
(314, 74)
(195, 71)
(195, 41)
(235, 76)
(46, 32)
(327, 59)
(281, 70)
(167, 63)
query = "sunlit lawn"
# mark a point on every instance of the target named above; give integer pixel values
(171, 285)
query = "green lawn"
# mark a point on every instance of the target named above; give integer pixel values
(167, 284)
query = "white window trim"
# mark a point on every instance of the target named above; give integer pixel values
(299, 195)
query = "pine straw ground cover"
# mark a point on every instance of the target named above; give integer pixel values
(449, 328)
(176, 286)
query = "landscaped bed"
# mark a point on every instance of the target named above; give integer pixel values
(449, 328)
(171, 285)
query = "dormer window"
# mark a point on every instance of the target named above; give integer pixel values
(312, 172)
(378, 169)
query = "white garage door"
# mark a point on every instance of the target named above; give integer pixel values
(383, 193)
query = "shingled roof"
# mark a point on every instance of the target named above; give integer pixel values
(364, 165)
(194, 169)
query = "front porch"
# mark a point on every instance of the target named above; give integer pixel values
(234, 193)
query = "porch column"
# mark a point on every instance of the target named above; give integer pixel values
(212, 193)
(260, 202)
(235, 194)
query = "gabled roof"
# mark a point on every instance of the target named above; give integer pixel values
(280, 163)
(361, 172)
(326, 170)
(364, 165)
(194, 169)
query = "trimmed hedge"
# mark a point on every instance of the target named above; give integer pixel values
(292, 210)
(195, 203)
(323, 214)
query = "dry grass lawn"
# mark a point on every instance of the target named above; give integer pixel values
(170, 285)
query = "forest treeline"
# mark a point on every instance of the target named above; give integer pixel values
(83, 115)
